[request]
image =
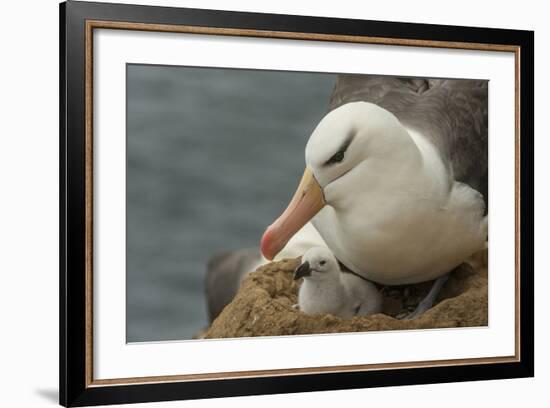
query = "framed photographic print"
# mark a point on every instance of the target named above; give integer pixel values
(256, 203)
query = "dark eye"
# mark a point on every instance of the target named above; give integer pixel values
(339, 155)
(322, 263)
(336, 158)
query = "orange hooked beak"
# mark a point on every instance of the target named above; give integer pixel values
(306, 202)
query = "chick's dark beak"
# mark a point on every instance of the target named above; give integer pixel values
(303, 270)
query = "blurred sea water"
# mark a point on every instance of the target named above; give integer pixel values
(213, 156)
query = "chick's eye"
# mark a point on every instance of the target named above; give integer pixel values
(322, 263)
(336, 158)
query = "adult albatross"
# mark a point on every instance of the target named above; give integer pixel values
(396, 179)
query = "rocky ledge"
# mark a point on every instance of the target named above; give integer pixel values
(263, 305)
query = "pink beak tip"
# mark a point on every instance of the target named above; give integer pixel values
(266, 244)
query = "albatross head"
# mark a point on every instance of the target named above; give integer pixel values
(352, 148)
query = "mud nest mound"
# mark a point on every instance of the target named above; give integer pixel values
(263, 305)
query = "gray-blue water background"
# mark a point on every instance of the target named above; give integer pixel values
(213, 156)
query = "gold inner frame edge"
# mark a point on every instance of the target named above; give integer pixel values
(93, 24)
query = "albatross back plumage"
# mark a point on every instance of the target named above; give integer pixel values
(451, 114)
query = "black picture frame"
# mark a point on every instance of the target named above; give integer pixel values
(75, 389)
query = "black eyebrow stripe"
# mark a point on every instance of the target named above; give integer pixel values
(343, 148)
(346, 143)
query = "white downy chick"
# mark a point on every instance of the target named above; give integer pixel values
(330, 289)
